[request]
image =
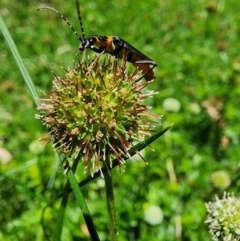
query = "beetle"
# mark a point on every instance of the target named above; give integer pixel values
(112, 45)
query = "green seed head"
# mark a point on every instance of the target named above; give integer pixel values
(97, 111)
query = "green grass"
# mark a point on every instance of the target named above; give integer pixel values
(196, 46)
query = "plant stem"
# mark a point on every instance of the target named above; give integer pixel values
(111, 207)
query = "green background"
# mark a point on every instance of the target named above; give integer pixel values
(196, 46)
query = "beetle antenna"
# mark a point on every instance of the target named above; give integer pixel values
(62, 16)
(80, 19)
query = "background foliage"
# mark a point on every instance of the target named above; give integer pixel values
(196, 46)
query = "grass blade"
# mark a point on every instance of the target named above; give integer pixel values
(19, 62)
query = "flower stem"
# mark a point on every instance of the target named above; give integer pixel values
(111, 207)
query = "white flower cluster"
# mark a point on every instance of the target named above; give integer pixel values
(224, 218)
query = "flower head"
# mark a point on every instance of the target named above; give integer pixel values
(224, 218)
(171, 104)
(153, 215)
(97, 111)
(220, 179)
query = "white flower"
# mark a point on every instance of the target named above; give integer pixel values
(171, 104)
(153, 215)
(224, 218)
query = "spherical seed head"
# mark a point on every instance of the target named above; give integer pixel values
(224, 218)
(96, 112)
